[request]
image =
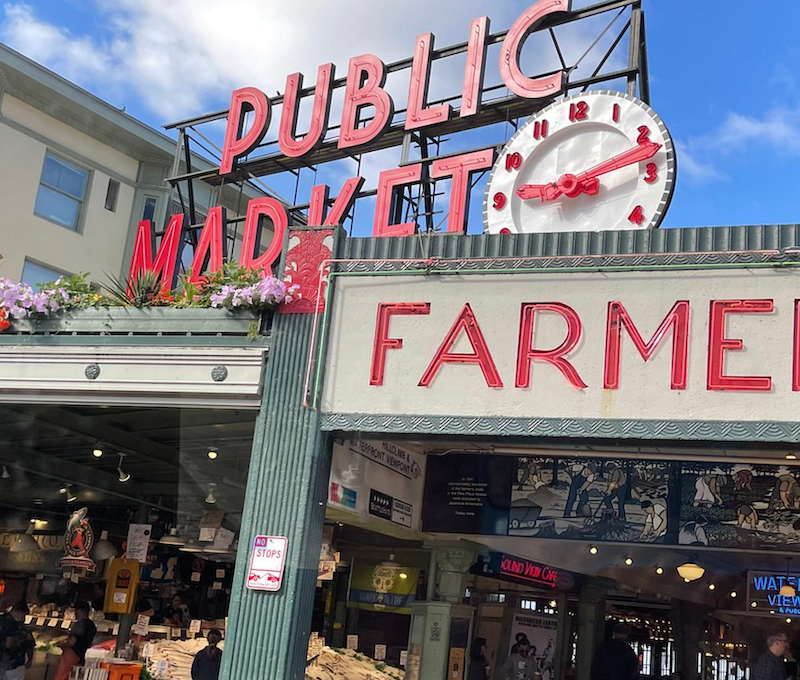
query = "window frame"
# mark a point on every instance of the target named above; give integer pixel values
(82, 202)
(36, 263)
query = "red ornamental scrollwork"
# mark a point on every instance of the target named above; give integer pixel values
(306, 262)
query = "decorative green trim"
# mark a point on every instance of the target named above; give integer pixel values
(697, 430)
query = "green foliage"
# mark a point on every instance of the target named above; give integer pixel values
(144, 290)
(81, 292)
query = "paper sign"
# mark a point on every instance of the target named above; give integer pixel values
(194, 626)
(116, 629)
(224, 538)
(403, 658)
(40, 621)
(352, 642)
(162, 668)
(52, 623)
(217, 585)
(65, 623)
(142, 620)
(196, 577)
(380, 652)
(138, 542)
(267, 560)
(147, 651)
(207, 534)
(120, 598)
(220, 573)
(28, 619)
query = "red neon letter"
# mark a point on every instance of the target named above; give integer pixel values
(168, 251)
(287, 139)
(341, 206)
(387, 181)
(618, 318)
(718, 344)
(796, 348)
(238, 143)
(526, 354)
(417, 116)
(513, 77)
(386, 310)
(210, 244)
(460, 168)
(476, 67)
(256, 208)
(466, 322)
(365, 79)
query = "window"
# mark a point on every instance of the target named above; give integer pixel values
(34, 274)
(112, 194)
(62, 191)
(149, 212)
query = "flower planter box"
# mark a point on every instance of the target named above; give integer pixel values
(147, 320)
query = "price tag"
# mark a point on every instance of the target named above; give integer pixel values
(380, 652)
(196, 577)
(147, 651)
(194, 626)
(102, 626)
(28, 619)
(69, 614)
(55, 614)
(220, 573)
(142, 622)
(352, 642)
(65, 623)
(52, 623)
(116, 629)
(162, 668)
(403, 658)
(40, 621)
(120, 597)
(217, 585)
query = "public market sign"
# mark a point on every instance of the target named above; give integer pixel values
(596, 161)
(667, 345)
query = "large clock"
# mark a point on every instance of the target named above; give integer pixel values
(599, 161)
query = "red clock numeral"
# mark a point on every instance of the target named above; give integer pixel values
(644, 135)
(513, 161)
(652, 173)
(578, 111)
(499, 201)
(615, 114)
(540, 129)
(637, 216)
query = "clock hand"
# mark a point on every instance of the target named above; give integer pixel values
(586, 182)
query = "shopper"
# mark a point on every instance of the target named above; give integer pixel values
(20, 645)
(8, 627)
(520, 665)
(478, 665)
(177, 614)
(614, 659)
(80, 639)
(207, 661)
(770, 665)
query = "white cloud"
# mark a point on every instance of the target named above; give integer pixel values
(698, 171)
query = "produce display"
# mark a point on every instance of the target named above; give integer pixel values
(346, 664)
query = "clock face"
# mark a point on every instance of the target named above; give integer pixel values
(599, 161)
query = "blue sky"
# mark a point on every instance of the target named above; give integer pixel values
(724, 76)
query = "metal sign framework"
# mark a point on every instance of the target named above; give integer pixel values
(416, 202)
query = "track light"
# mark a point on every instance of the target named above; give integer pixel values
(629, 561)
(659, 570)
(212, 454)
(593, 550)
(123, 476)
(211, 499)
(67, 490)
(711, 586)
(172, 538)
(733, 593)
(97, 452)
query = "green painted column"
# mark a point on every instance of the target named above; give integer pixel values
(267, 633)
(591, 622)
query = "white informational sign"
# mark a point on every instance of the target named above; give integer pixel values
(540, 631)
(403, 657)
(380, 652)
(352, 642)
(720, 346)
(267, 560)
(194, 626)
(142, 624)
(138, 542)
(378, 479)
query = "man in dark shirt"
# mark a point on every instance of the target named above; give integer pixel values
(770, 664)
(207, 661)
(80, 639)
(614, 659)
(20, 646)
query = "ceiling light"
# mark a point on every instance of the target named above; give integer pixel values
(659, 570)
(211, 499)
(193, 547)
(629, 561)
(97, 452)
(787, 589)
(690, 571)
(103, 549)
(172, 538)
(403, 575)
(733, 593)
(772, 611)
(788, 620)
(711, 586)
(754, 604)
(593, 550)
(67, 490)
(6, 473)
(24, 542)
(212, 454)
(390, 563)
(687, 580)
(123, 476)
(791, 456)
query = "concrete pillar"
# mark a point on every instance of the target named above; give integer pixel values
(688, 621)
(591, 623)
(563, 638)
(453, 560)
(267, 633)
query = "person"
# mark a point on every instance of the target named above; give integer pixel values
(694, 532)
(177, 614)
(20, 645)
(655, 521)
(8, 628)
(770, 665)
(520, 665)
(207, 661)
(617, 481)
(80, 639)
(614, 659)
(583, 476)
(478, 665)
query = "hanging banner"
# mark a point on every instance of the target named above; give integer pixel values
(379, 479)
(383, 587)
